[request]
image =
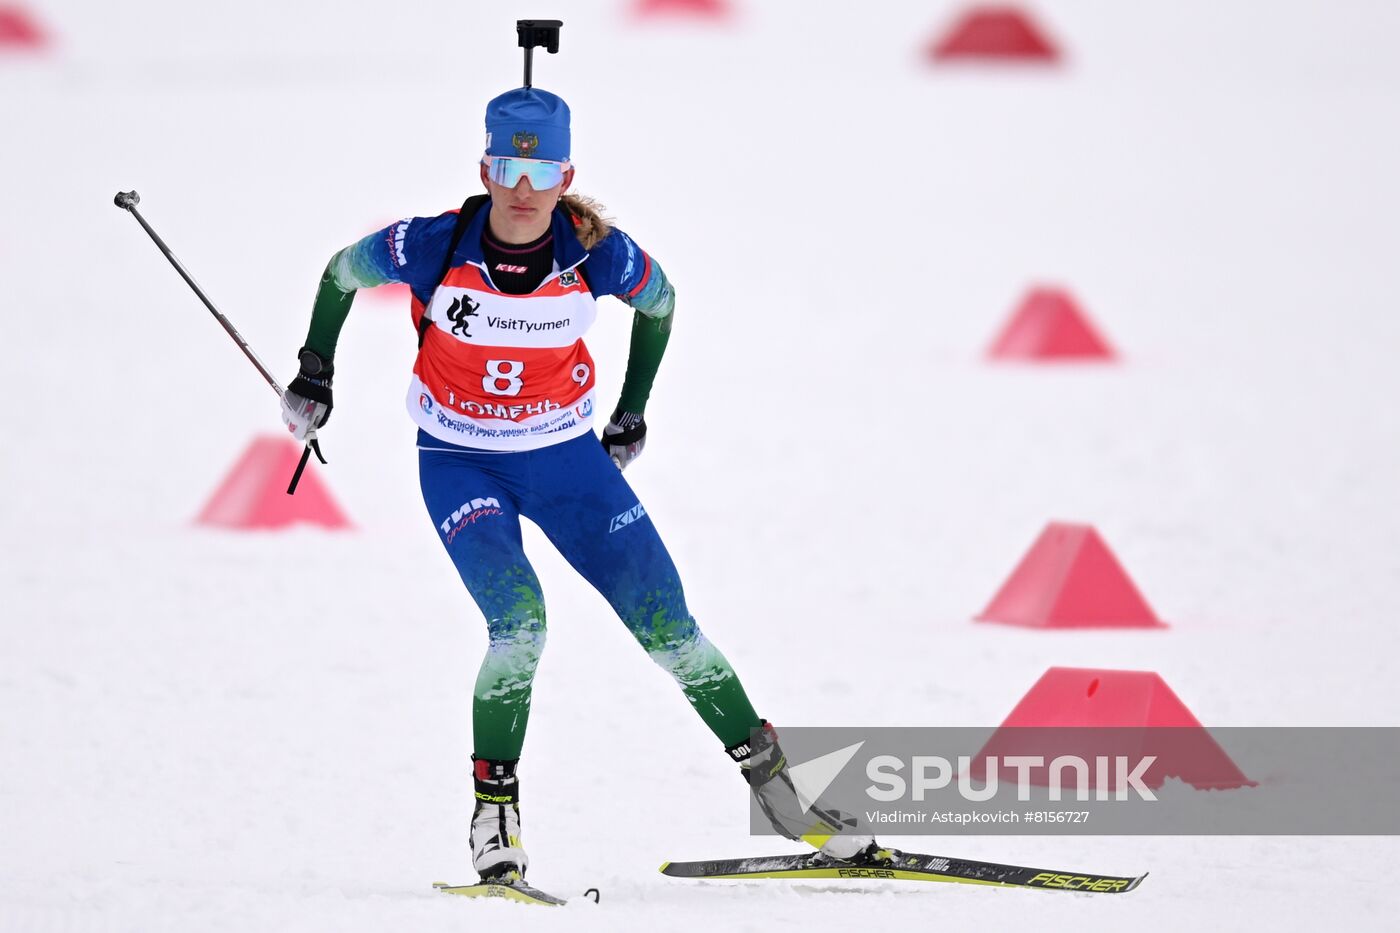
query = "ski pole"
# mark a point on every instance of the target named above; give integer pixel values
(127, 200)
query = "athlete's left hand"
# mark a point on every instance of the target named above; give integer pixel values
(624, 437)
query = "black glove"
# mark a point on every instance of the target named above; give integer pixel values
(624, 437)
(306, 402)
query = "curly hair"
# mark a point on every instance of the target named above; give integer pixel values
(590, 223)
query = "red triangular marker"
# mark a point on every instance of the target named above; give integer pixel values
(1072, 697)
(18, 31)
(1049, 325)
(696, 9)
(1092, 713)
(254, 493)
(1070, 579)
(394, 294)
(996, 33)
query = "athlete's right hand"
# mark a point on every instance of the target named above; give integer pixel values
(624, 437)
(306, 402)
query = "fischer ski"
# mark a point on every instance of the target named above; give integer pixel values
(514, 890)
(893, 864)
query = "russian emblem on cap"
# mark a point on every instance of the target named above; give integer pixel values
(525, 144)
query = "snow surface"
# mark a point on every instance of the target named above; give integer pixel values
(216, 731)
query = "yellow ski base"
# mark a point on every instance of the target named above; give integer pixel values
(894, 865)
(878, 874)
(517, 891)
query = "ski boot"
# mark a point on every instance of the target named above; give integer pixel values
(496, 850)
(822, 826)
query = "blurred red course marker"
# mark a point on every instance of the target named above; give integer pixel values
(994, 33)
(1049, 325)
(19, 32)
(1089, 697)
(1090, 713)
(254, 493)
(395, 294)
(694, 9)
(1070, 579)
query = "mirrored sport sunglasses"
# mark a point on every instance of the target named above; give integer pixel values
(508, 170)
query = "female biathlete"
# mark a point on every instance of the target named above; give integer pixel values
(502, 392)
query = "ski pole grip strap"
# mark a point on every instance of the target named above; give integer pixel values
(311, 444)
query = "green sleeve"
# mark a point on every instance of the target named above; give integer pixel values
(649, 336)
(352, 268)
(651, 328)
(328, 315)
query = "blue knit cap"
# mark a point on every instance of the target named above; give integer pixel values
(529, 123)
